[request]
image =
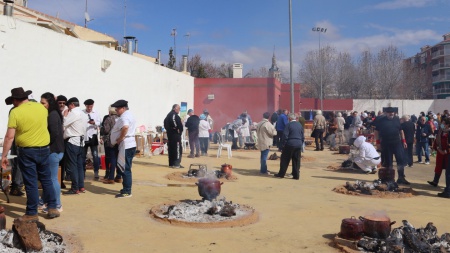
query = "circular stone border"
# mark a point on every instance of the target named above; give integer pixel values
(252, 217)
(340, 189)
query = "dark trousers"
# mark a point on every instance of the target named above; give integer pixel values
(234, 145)
(409, 154)
(175, 149)
(74, 161)
(194, 142)
(204, 144)
(279, 140)
(447, 179)
(319, 137)
(390, 150)
(112, 153)
(290, 153)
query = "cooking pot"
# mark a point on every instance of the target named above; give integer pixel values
(209, 188)
(377, 226)
(344, 149)
(352, 229)
(226, 168)
(386, 174)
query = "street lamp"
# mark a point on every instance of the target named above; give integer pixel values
(320, 30)
(188, 35)
(290, 58)
(174, 34)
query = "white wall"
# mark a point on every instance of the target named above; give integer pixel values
(41, 60)
(404, 106)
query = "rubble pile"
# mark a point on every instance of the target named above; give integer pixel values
(406, 238)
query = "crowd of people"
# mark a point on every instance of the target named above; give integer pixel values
(56, 132)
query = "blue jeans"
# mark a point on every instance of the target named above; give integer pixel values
(95, 158)
(424, 146)
(126, 175)
(74, 161)
(264, 155)
(34, 164)
(53, 163)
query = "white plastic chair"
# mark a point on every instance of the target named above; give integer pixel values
(184, 141)
(221, 146)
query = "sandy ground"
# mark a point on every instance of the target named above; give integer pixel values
(294, 216)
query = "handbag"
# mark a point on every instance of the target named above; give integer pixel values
(313, 133)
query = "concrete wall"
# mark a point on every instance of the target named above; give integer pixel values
(41, 60)
(404, 106)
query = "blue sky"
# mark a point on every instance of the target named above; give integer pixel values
(247, 31)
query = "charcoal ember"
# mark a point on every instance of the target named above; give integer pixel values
(8, 239)
(413, 241)
(192, 173)
(52, 236)
(429, 233)
(382, 187)
(350, 187)
(212, 210)
(392, 186)
(228, 211)
(366, 190)
(370, 244)
(169, 209)
(446, 237)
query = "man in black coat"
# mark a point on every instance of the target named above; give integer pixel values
(174, 129)
(293, 138)
(409, 129)
(192, 126)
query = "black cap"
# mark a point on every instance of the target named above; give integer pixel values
(89, 102)
(72, 100)
(120, 103)
(61, 98)
(389, 109)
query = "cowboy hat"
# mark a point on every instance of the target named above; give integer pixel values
(17, 93)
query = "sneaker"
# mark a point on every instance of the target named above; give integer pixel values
(123, 195)
(266, 174)
(191, 156)
(16, 192)
(444, 195)
(82, 190)
(41, 204)
(53, 213)
(403, 181)
(427, 163)
(29, 218)
(71, 192)
(197, 155)
(432, 183)
(422, 162)
(118, 180)
(59, 208)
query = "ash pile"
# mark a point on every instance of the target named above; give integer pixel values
(406, 239)
(203, 210)
(368, 188)
(30, 237)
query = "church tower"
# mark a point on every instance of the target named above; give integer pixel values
(274, 71)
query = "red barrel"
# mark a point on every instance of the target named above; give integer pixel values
(103, 162)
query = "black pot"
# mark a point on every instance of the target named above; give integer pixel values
(208, 188)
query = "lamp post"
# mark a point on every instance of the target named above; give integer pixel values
(320, 30)
(174, 34)
(188, 35)
(290, 59)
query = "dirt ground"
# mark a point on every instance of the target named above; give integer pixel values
(294, 216)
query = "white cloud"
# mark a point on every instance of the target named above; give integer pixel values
(401, 4)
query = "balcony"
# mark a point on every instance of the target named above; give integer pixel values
(440, 66)
(439, 53)
(440, 78)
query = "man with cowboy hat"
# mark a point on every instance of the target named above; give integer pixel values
(27, 123)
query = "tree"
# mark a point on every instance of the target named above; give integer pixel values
(415, 82)
(388, 70)
(318, 71)
(346, 83)
(366, 76)
(172, 60)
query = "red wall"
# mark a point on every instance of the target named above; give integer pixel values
(232, 96)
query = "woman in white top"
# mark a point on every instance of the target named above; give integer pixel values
(203, 134)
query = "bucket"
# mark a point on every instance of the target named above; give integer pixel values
(156, 145)
(103, 162)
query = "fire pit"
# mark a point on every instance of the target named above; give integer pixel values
(376, 189)
(205, 214)
(250, 146)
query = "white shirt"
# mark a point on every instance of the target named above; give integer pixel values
(203, 128)
(126, 119)
(75, 126)
(91, 129)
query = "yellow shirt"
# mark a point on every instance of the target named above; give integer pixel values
(30, 121)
